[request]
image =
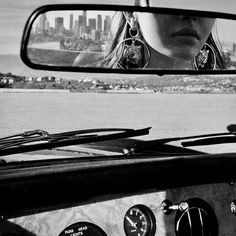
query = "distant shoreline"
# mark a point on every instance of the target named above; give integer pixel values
(15, 90)
(10, 90)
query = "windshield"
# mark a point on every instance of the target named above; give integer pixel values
(173, 105)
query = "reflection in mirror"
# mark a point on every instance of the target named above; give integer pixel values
(135, 40)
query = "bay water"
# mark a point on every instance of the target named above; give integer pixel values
(169, 115)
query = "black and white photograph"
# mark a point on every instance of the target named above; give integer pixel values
(118, 118)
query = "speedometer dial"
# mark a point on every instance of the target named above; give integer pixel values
(139, 221)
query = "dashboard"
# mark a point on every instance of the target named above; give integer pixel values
(207, 209)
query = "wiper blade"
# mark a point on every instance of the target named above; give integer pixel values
(26, 137)
(229, 137)
(205, 139)
(209, 141)
(25, 142)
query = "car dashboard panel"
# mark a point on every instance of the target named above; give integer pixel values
(129, 215)
(142, 196)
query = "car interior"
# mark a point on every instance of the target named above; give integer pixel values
(117, 181)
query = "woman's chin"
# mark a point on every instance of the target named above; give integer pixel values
(184, 54)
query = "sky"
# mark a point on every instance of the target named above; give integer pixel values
(14, 13)
(66, 15)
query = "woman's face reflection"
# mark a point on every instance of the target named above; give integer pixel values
(175, 36)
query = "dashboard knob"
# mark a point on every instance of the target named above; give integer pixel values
(197, 219)
(233, 207)
(167, 207)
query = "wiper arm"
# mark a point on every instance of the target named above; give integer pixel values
(21, 143)
(229, 137)
(26, 137)
(209, 141)
(206, 139)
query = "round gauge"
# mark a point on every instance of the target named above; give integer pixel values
(82, 228)
(139, 221)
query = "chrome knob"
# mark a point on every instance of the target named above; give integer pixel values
(233, 207)
(167, 207)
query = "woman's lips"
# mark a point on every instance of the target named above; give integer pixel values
(187, 32)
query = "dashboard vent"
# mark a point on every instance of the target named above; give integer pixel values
(198, 220)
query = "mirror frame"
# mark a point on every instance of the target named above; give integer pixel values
(81, 7)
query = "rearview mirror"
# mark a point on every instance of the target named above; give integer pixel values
(133, 39)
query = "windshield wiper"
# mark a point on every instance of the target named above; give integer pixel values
(39, 139)
(206, 139)
(209, 141)
(229, 137)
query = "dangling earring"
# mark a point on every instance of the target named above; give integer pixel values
(201, 60)
(129, 52)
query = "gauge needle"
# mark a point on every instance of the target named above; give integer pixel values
(131, 222)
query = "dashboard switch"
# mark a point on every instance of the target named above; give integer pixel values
(233, 207)
(167, 207)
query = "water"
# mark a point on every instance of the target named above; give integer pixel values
(168, 114)
(47, 45)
